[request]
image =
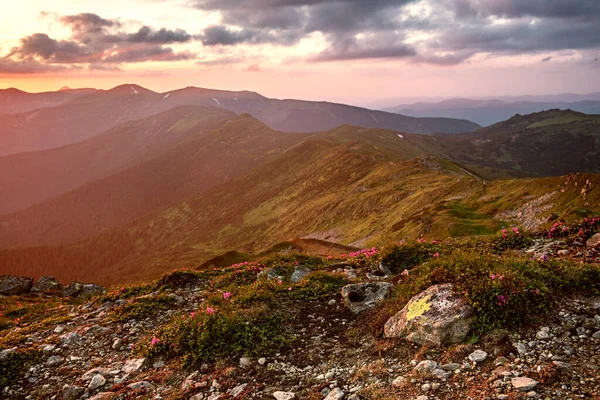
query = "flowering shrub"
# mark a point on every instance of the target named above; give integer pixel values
(318, 285)
(581, 231)
(365, 258)
(511, 239)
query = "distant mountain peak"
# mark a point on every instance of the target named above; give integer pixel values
(130, 88)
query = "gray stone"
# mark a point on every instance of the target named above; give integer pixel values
(434, 317)
(14, 285)
(142, 386)
(426, 367)
(300, 273)
(335, 394)
(70, 339)
(96, 382)
(117, 344)
(543, 334)
(93, 372)
(478, 356)
(72, 290)
(91, 290)
(360, 297)
(284, 395)
(72, 392)
(245, 362)
(236, 391)
(135, 365)
(54, 361)
(269, 274)
(262, 361)
(399, 382)
(523, 383)
(47, 285)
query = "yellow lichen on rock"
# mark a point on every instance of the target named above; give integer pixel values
(418, 308)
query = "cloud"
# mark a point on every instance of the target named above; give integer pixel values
(546, 59)
(455, 30)
(27, 66)
(99, 43)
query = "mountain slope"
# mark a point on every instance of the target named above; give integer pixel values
(89, 115)
(215, 157)
(33, 177)
(336, 185)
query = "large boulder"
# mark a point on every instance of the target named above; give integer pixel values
(13, 285)
(72, 290)
(434, 317)
(90, 290)
(47, 285)
(359, 297)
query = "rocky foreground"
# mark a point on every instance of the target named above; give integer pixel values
(95, 350)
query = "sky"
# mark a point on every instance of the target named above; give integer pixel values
(337, 50)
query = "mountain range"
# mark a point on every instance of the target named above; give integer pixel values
(86, 114)
(134, 182)
(489, 111)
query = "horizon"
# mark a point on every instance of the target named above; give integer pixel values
(342, 51)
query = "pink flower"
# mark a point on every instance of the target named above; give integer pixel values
(492, 276)
(290, 288)
(226, 295)
(155, 341)
(192, 314)
(404, 273)
(210, 310)
(329, 257)
(436, 255)
(501, 300)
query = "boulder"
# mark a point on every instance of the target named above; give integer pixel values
(269, 274)
(47, 285)
(72, 290)
(300, 273)
(13, 285)
(359, 297)
(594, 241)
(90, 290)
(434, 317)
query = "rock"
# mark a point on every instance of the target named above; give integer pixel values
(426, 367)
(435, 317)
(594, 241)
(60, 329)
(96, 382)
(236, 391)
(142, 386)
(72, 392)
(262, 361)
(363, 296)
(399, 382)
(522, 348)
(523, 383)
(245, 362)
(14, 285)
(199, 396)
(117, 344)
(563, 252)
(284, 395)
(47, 285)
(426, 387)
(422, 397)
(135, 365)
(331, 302)
(596, 335)
(54, 361)
(335, 394)
(451, 366)
(543, 334)
(91, 290)
(93, 372)
(300, 273)
(478, 356)
(72, 290)
(5, 353)
(594, 302)
(269, 274)
(70, 339)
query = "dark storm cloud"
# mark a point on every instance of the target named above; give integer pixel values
(100, 43)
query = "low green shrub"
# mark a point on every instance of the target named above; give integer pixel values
(317, 285)
(400, 257)
(205, 336)
(142, 308)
